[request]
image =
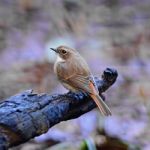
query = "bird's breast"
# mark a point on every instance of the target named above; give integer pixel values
(62, 69)
(70, 67)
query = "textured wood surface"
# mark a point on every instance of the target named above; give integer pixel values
(26, 115)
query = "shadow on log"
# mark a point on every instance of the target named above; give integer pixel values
(26, 115)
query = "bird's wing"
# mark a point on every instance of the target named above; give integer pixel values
(88, 85)
(82, 83)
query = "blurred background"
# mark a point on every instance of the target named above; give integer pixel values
(108, 33)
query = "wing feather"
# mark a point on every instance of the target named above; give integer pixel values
(88, 85)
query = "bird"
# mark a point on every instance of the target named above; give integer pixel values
(74, 74)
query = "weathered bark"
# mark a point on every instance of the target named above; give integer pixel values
(27, 115)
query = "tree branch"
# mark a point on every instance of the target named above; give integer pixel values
(27, 114)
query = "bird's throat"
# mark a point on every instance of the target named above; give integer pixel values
(60, 59)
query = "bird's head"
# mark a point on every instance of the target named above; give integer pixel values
(64, 52)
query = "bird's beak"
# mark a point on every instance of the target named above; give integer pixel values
(55, 50)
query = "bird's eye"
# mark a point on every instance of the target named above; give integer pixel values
(63, 52)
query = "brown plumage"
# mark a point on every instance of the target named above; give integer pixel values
(74, 74)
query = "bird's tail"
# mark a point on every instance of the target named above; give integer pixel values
(104, 109)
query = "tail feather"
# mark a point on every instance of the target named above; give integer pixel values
(104, 109)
